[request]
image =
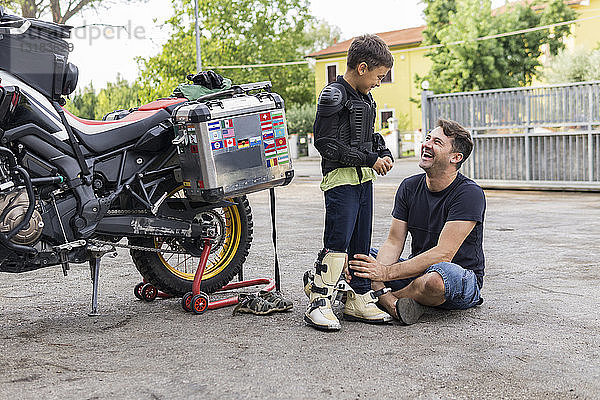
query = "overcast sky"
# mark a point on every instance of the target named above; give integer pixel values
(101, 55)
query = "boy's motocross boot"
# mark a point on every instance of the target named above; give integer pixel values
(329, 267)
(362, 307)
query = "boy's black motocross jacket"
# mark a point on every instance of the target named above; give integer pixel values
(343, 129)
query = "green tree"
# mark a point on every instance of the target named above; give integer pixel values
(301, 117)
(84, 103)
(118, 95)
(575, 65)
(493, 63)
(236, 32)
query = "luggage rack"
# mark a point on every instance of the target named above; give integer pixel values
(237, 90)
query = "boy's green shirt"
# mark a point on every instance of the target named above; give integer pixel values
(346, 176)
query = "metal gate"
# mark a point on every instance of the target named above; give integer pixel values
(545, 137)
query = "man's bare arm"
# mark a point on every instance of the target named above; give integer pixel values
(451, 238)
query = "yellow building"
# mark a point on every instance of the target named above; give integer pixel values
(393, 97)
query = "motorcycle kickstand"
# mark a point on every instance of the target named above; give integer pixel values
(95, 271)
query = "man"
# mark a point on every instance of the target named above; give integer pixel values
(351, 155)
(444, 211)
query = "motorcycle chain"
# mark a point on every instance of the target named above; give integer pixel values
(133, 247)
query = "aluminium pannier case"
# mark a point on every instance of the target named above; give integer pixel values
(232, 146)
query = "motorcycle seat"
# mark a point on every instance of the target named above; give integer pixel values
(103, 136)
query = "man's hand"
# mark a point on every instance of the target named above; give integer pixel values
(383, 165)
(368, 267)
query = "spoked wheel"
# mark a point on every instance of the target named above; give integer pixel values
(173, 273)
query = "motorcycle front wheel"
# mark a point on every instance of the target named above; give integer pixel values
(173, 273)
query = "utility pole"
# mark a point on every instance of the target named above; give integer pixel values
(198, 54)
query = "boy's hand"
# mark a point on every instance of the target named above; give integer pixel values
(382, 166)
(388, 162)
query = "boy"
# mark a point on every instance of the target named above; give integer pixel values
(351, 154)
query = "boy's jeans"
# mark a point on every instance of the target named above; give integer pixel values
(348, 224)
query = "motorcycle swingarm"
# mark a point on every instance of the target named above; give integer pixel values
(188, 210)
(135, 225)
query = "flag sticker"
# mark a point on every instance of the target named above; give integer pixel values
(200, 184)
(193, 138)
(283, 159)
(228, 133)
(214, 125)
(227, 124)
(218, 145)
(266, 125)
(277, 123)
(187, 184)
(265, 117)
(269, 144)
(243, 143)
(194, 148)
(229, 143)
(276, 115)
(191, 128)
(282, 150)
(279, 132)
(271, 162)
(215, 135)
(268, 135)
(280, 142)
(255, 141)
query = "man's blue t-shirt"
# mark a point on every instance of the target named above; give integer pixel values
(426, 212)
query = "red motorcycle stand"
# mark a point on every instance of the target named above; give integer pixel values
(197, 301)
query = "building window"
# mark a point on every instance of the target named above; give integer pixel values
(331, 73)
(384, 116)
(388, 77)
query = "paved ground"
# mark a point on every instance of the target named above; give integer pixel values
(536, 336)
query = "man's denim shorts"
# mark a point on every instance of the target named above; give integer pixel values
(462, 290)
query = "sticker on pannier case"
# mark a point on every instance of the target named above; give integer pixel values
(255, 141)
(227, 124)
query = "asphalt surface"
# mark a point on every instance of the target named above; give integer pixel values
(536, 336)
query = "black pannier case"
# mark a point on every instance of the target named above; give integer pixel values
(38, 56)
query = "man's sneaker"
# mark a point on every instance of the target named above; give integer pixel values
(279, 303)
(409, 311)
(253, 304)
(363, 308)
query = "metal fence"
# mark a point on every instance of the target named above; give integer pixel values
(537, 137)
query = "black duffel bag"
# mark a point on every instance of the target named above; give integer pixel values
(36, 52)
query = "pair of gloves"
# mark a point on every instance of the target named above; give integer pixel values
(208, 79)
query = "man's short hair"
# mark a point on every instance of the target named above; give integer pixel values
(370, 49)
(462, 142)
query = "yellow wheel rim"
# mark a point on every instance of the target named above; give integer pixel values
(184, 265)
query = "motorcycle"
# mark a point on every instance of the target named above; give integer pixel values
(72, 189)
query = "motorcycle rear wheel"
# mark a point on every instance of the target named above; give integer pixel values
(174, 273)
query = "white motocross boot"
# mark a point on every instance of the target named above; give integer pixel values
(329, 267)
(362, 307)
